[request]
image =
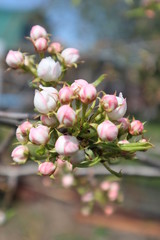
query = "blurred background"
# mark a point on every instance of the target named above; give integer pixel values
(122, 39)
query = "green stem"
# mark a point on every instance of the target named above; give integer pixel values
(30, 69)
(99, 111)
(90, 109)
(78, 104)
(84, 109)
(105, 164)
(99, 80)
(41, 55)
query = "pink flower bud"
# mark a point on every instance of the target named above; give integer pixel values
(109, 210)
(78, 84)
(48, 69)
(105, 185)
(46, 168)
(22, 132)
(107, 131)
(39, 135)
(59, 161)
(120, 110)
(55, 47)
(136, 128)
(46, 100)
(109, 102)
(66, 115)
(123, 142)
(150, 13)
(67, 145)
(14, 59)
(78, 157)
(38, 32)
(70, 55)
(88, 93)
(41, 45)
(87, 197)
(65, 95)
(49, 121)
(20, 154)
(113, 191)
(21, 137)
(143, 140)
(125, 123)
(67, 180)
(25, 127)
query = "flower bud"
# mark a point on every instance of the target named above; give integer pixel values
(136, 128)
(48, 69)
(109, 210)
(78, 84)
(105, 185)
(87, 197)
(125, 123)
(120, 110)
(107, 131)
(143, 140)
(65, 95)
(66, 115)
(78, 157)
(38, 32)
(67, 145)
(21, 137)
(20, 154)
(123, 142)
(25, 127)
(113, 191)
(49, 121)
(60, 162)
(41, 45)
(70, 55)
(109, 102)
(39, 135)
(22, 132)
(14, 59)
(46, 168)
(55, 47)
(88, 93)
(46, 100)
(67, 180)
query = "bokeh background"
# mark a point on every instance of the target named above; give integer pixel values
(122, 39)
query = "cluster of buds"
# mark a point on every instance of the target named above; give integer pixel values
(104, 194)
(75, 123)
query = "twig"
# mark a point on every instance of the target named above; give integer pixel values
(17, 116)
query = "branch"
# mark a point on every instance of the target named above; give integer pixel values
(17, 116)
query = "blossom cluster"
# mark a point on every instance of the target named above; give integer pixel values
(94, 193)
(75, 123)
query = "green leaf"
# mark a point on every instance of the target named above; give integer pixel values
(91, 163)
(40, 151)
(133, 147)
(53, 150)
(99, 80)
